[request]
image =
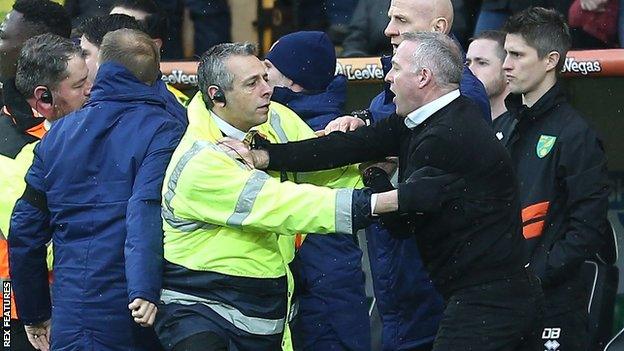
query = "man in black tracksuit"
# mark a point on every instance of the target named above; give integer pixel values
(561, 166)
(470, 242)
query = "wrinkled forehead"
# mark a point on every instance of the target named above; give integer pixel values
(245, 67)
(411, 8)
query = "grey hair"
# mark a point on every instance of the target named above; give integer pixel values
(43, 62)
(212, 69)
(440, 54)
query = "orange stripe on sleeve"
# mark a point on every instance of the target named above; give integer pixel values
(533, 211)
(533, 230)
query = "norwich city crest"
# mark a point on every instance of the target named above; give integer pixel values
(544, 145)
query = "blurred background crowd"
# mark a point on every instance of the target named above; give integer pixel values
(355, 26)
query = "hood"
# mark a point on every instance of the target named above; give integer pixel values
(115, 83)
(307, 106)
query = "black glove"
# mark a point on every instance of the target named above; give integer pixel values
(377, 179)
(428, 189)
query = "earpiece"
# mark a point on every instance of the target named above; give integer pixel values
(219, 96)
(46, 96)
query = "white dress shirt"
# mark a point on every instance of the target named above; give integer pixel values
(425, 111)
(228, 129)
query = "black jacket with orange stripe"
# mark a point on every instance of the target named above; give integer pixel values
(562, 172)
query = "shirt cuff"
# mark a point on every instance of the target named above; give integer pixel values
(373, 203)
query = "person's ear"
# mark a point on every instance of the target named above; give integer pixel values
(216, 94)
(424, 77)
(44, 102)
(440, 25)
(159, 43)
(552, 60)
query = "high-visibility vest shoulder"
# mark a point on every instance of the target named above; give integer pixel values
(180, 96)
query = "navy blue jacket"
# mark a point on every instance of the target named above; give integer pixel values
(409, 306)
(95, 186)
(329, 281)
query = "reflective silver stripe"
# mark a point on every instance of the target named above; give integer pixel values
(277, 126)
(294, 310)
(253, 325)
(344, 223)
(184, 225)
(247, 198)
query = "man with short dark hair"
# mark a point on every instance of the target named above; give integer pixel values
(94, 190)
(485, 57)
(561, 164)
(21, 126)
(53, 76)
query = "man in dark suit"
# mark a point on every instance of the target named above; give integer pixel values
(470, 242)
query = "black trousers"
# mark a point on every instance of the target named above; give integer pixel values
(205, 341)
(567, 331)
(500, 315)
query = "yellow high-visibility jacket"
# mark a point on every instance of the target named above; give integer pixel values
(222, 222)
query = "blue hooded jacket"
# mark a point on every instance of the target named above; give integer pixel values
(101, 170)
(329, 280)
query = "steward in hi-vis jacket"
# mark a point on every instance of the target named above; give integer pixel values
(225, 267)
(21, 128)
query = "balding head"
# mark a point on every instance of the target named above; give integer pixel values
(418, 16)
(135, 51)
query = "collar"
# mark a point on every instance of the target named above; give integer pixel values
(39, 130)
(422, 113)
(553, 97)
(15, 106)
(228, 129)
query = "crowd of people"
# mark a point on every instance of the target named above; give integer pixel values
(594, 24)
(134, 217)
